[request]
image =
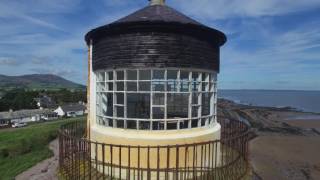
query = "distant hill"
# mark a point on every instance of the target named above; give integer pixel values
(37, 82)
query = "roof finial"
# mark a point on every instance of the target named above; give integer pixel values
(157, 2)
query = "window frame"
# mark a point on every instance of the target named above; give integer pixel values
(206, 83)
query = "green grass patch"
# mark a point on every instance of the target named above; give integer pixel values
(22, 148)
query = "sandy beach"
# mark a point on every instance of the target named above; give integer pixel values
(287, 156)
(287, 145)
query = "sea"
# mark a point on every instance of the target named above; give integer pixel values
(308, 101)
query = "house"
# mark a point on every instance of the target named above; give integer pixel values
(71, 110)
(45, 102)
(30, 115)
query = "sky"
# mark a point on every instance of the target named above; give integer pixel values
(272, 44)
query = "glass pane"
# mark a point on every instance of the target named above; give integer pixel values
(184, 124)
(132, 75)
(131, 124)
(158, 74)
(157, 125)
(120, 98)
(144, 125)
(177, 106)
(158, 112)
(195, 76)
(138, 105)
(194, 123)
(145, 75)
(172, 86)
(120, 111)
(104, 103)
(144, 86)
(158, 99)
(109, 104)
(195, 111)
(204, 85)
(158, 86)
(110, 86)
(172, 75)
(205, 77)
(99, 120)
(101, 86)
(109, 122)
(195, 86)
(132, 86)
(120, 75)
(120, 86)
(184, 75)
(214, 77)
(211, 87)
(101, 76)
(120, 123)
(171, 125)
(195, 98)
(206, 104)
(110, 75)
(184, 86)
(203, 121)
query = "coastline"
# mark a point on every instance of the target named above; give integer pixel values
(285, 147)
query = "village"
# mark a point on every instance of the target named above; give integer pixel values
(47, 110)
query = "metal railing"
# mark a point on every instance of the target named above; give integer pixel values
(226, 158)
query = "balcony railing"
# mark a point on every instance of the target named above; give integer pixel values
(226, 158)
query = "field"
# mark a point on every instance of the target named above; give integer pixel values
(22, 148)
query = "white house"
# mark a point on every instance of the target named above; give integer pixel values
(30, 115)
(71, 110)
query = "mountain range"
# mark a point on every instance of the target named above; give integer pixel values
(37, 82)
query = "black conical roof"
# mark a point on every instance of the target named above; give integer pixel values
(158, 13)
(158, 18)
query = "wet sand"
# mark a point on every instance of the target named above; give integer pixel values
(288, 157)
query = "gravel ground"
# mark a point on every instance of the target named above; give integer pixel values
(45, 170)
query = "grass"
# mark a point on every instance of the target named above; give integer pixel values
(22, 148)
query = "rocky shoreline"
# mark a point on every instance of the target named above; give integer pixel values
(287, 142)
(267, 119)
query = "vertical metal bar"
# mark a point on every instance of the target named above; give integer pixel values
(129, 162)
(168, 162)
(120, 148)
(158, 163)
(84, 157)
(194, 161)
(103, 161)
(72, 159)
(111, 161)
(186, 161)
(201, 162)
(138, 162)
(89, 157)
(79, 162)
(177, 162)
(215, 159)
(96, 158)
(148, 163)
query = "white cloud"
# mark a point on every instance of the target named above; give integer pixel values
(7, 61)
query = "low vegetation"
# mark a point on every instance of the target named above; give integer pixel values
(22, 148)
(17, 99)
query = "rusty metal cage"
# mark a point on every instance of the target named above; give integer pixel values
(227, 158)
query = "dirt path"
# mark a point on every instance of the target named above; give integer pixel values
(44, 170)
